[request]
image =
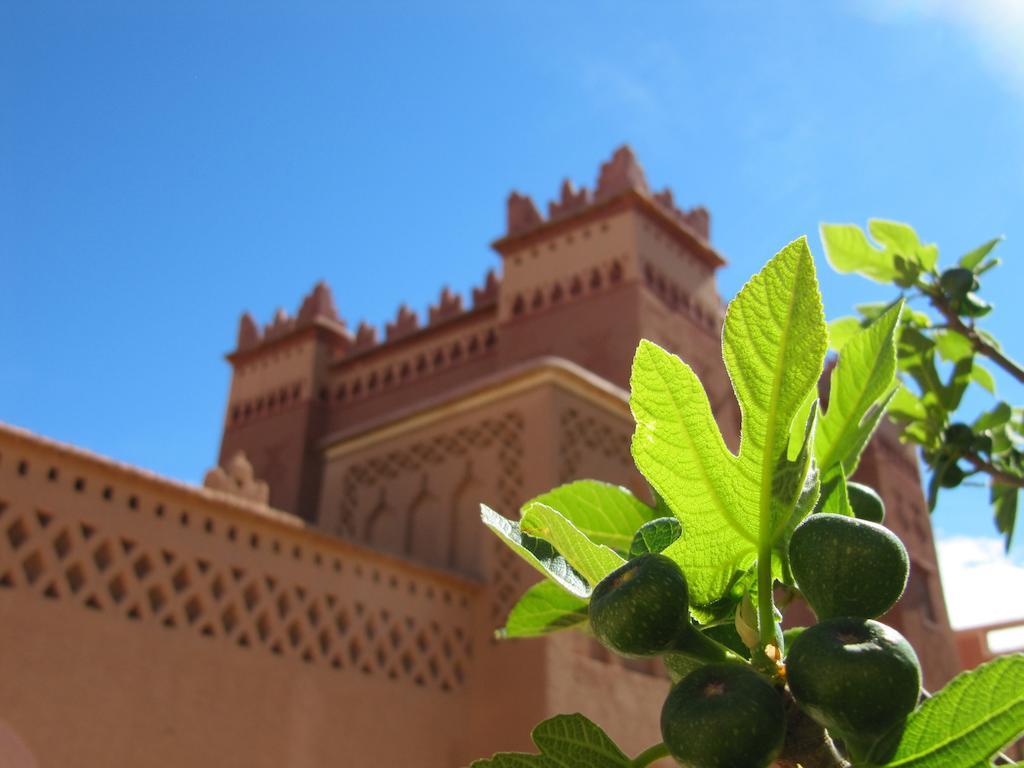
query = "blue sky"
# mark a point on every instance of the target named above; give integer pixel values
(161, 171)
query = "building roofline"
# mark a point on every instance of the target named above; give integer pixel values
(416, 337)
(315, 325)
(511, 381)
(629, 199)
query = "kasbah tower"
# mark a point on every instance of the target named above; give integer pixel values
(329, 596)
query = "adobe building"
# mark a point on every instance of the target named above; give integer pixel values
(329, 596)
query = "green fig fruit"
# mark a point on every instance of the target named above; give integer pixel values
(723, 716)
(866, 503)
(858, 678)
(642, 607)
(847, 567)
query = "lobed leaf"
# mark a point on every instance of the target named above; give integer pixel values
(564, 741)
(968, 721)
(863, 377)
(732, 507)
(973, 258)
(981, 376)
(841, 331)
(608, 514)
(544, 608)
(592, 561)
(537, 552)
(834, 497)
(655, 536)
(848, 250)
(1004, 504)
(953, 346)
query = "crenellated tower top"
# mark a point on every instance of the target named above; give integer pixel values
(620, 178)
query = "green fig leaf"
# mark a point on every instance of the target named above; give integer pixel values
(564, 741)
(730, 507)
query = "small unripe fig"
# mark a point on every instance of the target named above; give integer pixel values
(642, 607)
(866, 504)
(958, 436)
(857, 677)
(723, 716)
(848, 567)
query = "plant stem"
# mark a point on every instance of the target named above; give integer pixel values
(998, 476)
(765, 599)
(649, 755)
(981, 346)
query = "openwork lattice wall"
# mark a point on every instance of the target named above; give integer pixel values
(254, 587)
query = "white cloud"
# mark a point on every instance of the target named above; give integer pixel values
(982, 584)
(995, 26)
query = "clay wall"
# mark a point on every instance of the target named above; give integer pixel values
(538, 270)
(147, 623)
(680, 277)
(402, 373)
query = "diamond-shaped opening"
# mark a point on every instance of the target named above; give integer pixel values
(117, 588)
(422, 641)
(44, 518)
(76, 577)
(355, 650)
(370, 630)
(294, 634)
(408, 662)
(143, 566)
(263, 626)
(433, 666)
(243, 640)
(382, 655)
(6, 580)
(157, 599)
(446, 648)
(193, 609)
(208, 631)
(341, 621)
(62, 544)
(217, 587)
(457, 670)
(134, 613)
(336, 661)
(325, 641)
(314, 615)
(283, 604)
(17, 534)
(181, 580)
(103, 556)
(94, 603)
(33, 567)
(229, 618)
(251, 595)
(419, 680)
(395, 636)
(51, 591)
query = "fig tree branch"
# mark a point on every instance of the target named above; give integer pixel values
(980, 345)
